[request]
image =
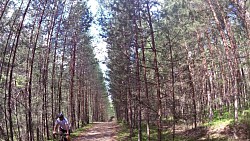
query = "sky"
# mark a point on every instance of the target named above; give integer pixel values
(98, 43)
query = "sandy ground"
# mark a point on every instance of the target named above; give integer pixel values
(101, 131)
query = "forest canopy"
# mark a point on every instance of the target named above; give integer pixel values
(177, 61)
(47, 66)
(170, 63)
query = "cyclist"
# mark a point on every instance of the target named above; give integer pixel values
(63, 125)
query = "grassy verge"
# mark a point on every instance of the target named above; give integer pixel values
(124, 134)
(225, 127)
(228, 119)
(222, 128)
(78, 131)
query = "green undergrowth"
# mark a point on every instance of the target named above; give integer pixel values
(124, 134)
(78, 131)
(245, 116)
(219, 122)
(219, 129)
(228, 118)
(229, 127)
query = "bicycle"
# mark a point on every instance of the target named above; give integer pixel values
(62, 136)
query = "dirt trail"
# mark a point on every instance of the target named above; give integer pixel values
(101, 131)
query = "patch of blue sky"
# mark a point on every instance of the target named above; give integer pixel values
(99, 45)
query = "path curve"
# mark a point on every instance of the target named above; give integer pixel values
(100, 131)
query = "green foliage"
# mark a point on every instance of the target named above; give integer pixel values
(61, 39)
(220, 118)
(245, 117)
(123, 134)
(227, 118)
(219, 122)
(20, 81)
(223, 115)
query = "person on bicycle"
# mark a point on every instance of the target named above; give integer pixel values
(63, 125)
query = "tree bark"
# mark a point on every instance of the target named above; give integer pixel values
(61, 75)
(138, 85)
(4, 8)
(11, 72)
(172, 85)
(192, 86)
(145, 85)
(71, 91)
(31, 133)
(157, 76)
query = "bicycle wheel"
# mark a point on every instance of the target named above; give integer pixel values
(62, 138)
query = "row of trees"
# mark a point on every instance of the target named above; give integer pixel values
(181, 60)
(47, 66)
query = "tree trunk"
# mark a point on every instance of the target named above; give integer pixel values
(1, 71)
(232, 58)
(7, 100)
(145, 85)
(83, 97)
(49, 44)
(172, 83)
(192, 86)
(138, 85)
(4, 8)
(11, 72)
(31, 133)
(71, 91)
(61, 75)
(86, 103)
(159, 104)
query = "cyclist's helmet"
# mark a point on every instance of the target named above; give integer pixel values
(60, 116)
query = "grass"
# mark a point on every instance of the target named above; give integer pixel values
(211, 129)
(245, 117)
(228, 118)
(78, 131)
(124, 134)
(219, 122)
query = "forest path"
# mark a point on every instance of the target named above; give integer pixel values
(100, 131)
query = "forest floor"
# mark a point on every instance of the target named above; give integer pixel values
(100, 131)
(223, 131)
